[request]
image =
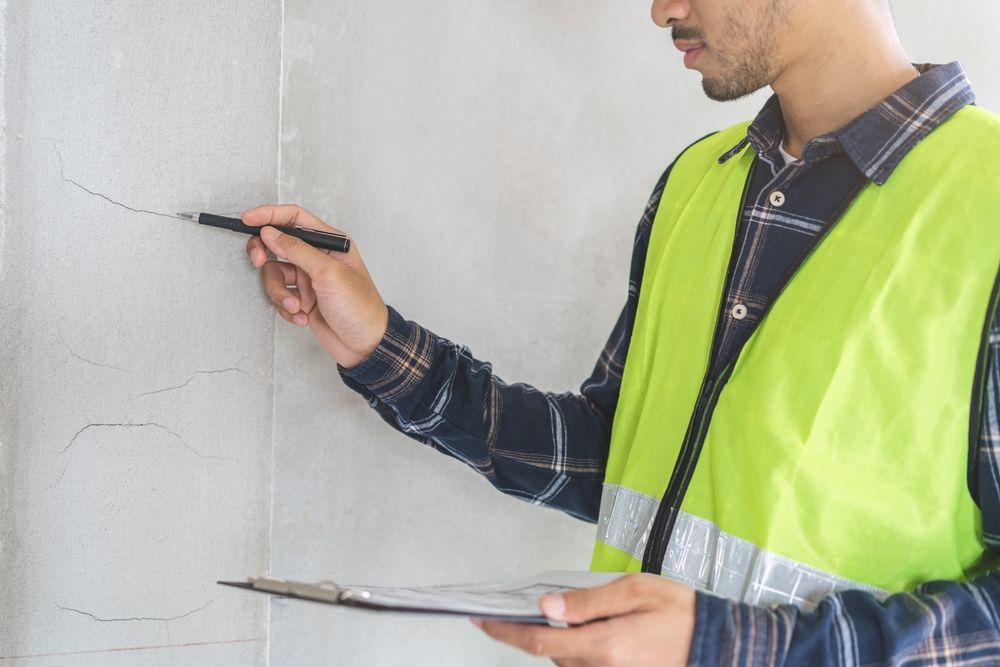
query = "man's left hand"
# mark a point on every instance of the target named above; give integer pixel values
(639, 619)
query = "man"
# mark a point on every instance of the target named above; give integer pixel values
(808, 451)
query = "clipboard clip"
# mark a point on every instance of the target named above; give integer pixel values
(323, 591)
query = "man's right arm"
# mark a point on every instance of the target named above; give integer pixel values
(549, 449)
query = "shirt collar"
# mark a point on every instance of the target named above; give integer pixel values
(877, 140)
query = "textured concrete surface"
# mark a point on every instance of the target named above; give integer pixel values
(136, 352)
(491, 159)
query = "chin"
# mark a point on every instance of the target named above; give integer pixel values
(727, 91)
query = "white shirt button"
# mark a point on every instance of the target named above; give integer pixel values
(777, 199)
(739, 311)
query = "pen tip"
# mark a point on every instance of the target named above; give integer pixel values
(189, 216)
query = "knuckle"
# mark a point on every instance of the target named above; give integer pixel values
(632, 584)
(276, 293)
(610, 649)
(612, 654)
(270, 273)
(324, 276)
(577, 602)
(291, 244)
(536, 646)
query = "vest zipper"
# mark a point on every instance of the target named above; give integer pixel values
(666, 514)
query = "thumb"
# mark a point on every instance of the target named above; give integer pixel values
(296, 251)
(590, 604)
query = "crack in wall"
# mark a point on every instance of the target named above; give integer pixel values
(136, 618)
(62, 175)
(189, 381)
(89, 361)
(62, 474)
(127, 425)
(118, 203)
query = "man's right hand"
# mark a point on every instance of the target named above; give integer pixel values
(329, 292)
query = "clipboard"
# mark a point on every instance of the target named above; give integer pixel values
(515, 601)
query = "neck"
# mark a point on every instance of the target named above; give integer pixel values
(863, 63)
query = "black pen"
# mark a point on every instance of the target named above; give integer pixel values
(314, 237)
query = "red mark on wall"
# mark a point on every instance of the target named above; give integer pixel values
(126, 649)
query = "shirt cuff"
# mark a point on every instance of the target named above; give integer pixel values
(396, 369)
(732, 633)
(710, 615)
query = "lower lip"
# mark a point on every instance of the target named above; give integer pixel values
(692, 55)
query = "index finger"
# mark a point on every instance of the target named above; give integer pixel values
(284, 215)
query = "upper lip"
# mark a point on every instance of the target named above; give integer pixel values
(685, 45)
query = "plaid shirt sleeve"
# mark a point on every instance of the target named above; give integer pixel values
(549, 449)
(941, 623)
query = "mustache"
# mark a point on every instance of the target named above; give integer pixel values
(687, 33)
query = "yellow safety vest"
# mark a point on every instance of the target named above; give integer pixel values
(833, 452)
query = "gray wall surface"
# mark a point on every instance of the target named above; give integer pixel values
(491, 159)
(135, 349)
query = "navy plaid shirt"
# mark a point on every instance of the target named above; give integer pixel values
(551, 449)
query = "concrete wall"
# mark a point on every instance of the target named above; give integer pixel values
(491, 160)
(135, 349)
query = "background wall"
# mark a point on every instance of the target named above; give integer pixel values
(135, 349)
(491, 160)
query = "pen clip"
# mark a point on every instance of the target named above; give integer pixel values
(319, 231)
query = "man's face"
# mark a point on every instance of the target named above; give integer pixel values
(735, 44)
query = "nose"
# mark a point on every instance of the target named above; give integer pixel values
(665, 12)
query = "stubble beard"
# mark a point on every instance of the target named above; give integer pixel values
(752, 62)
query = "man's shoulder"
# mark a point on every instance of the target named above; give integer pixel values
(966, 146)
(981, 115)
(716, 144)
(974, 123)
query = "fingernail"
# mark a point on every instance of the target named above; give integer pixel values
(554, 606)
(300, 319)
(269, 233)
(288, 302)
(478, 622)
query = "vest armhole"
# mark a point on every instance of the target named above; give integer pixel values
(978, 387)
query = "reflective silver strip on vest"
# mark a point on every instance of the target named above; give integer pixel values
(701, 555)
